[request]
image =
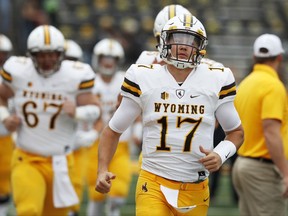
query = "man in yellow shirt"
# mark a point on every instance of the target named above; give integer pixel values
(260, 173)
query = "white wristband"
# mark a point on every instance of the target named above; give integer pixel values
(4, 113)
(225, 149)
(85, 138)
(87, 113)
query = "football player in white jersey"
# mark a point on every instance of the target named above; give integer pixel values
(108, 55)
(6, 141)
(179, 102)
(85, 135)
(153, 57)
(51, 96)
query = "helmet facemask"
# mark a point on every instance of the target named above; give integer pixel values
(108, 65)
(47, 67)
(182, 48)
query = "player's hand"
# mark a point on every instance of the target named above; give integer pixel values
(211, 160)
(69, 107)
(104, 182)
(12, 122)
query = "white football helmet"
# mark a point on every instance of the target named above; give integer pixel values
(183, 31)
(166, 14)
(5, 49)
(113, 52)
(5, 44)
(46, 38)
(73, 51)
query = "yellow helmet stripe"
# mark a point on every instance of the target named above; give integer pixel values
(111, 45)
(47, 39)
(171, 11)
(187, 20)
(66, 46)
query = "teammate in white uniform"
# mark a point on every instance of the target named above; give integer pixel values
(179, 103)
(85, 136)
(50, 96)
(108, 54)
(6, 141)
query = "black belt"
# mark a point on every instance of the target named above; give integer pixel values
(266, 160)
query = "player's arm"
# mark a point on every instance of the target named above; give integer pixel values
(124, 116)
(5, 93)
(11, 122)
(229, 120)
(86, 107)
(274, 143)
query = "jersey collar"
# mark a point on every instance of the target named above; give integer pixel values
(266, 69)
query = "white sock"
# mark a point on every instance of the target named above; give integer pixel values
(4, 209)
(95, 208)
(114, 205)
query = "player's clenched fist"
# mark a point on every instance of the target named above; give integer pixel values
(12, 122)
(104, 182)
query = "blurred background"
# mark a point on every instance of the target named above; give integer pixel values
(232, 26)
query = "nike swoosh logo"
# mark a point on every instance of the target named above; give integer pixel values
(205, 199)
(194, 96)
(226, 156)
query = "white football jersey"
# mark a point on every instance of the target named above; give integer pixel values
(108, 94)
(211, 63)
(45, 129)
(149, 57)
(177, 119)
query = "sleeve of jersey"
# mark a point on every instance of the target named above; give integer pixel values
(228, 90)
(130, 87)
(87, 81)
(6, 72)
(145, 58)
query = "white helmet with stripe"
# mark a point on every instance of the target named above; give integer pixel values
(5, 44)
(183, 32)
(166, 14)
(5, 49)
(73, 51)
(113, 52)
(46, 38)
